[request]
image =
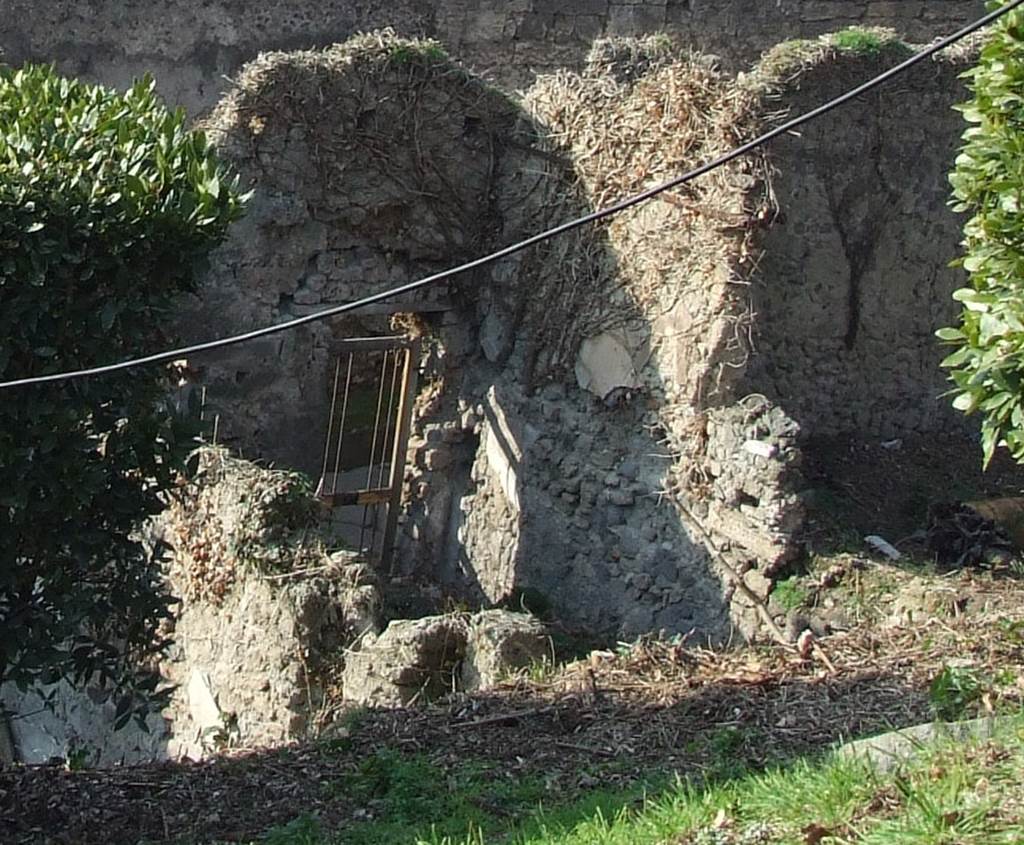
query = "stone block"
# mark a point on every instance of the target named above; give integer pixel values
(413, 659)
(500, 642)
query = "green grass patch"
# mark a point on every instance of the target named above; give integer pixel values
(426, 52)
(971, 792)
(791, 593)
(866, 42)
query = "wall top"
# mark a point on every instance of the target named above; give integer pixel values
(190, 46)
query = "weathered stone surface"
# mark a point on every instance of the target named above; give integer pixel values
(77, 723)
(754, 502)
(411, 660)
(191, 46)
(835, 344)
(917, 602)
(245, 660)
(888, 751)
(383, 219)
(494, 514)
(499, 642)
(251, 632)
(202, 703)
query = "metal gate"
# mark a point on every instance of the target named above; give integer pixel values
(375, 382)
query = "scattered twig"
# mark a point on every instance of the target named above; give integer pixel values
(501, 718)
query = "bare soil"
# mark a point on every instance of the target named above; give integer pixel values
(611, 719)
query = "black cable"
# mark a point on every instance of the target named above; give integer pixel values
(568, 226)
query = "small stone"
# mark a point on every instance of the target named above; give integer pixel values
(453, 433)
(758, 583)
(641, 582)
(629, 469)
(555, 390)
(666, 570)
(437, 459)
(551, 411)
(615, 515)
(612, 480)
(316, 281)
(629, 543)
(621, 498)
(306, 297)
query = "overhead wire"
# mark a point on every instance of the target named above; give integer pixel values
(788, 126)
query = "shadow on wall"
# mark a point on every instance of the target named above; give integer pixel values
(64, 724)
(774, 303)
(567, 511)
(379, 161)
(854, 278)
(575, 394)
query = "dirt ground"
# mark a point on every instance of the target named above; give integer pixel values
(885, 487)
(611, 719)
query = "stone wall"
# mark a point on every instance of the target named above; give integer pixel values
(372, 164)
(854, 278)
(264, 611)
(247, 667)
(566, 509)
(576, 395)
(191, 46)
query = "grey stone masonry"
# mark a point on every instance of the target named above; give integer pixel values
(192, 46)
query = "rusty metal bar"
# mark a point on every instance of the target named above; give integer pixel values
(410, 383)
(341, 423)
(389, 418)
(370, 344)
(376, 419)
(330, 424)
(344, 498)
(400, 355)
(364, 521)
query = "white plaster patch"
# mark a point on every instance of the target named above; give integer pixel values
(202, 703)
(604, 363)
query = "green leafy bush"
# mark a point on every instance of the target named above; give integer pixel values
(988, 182)
(108, 205)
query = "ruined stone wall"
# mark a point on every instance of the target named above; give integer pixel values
(245, 666)
(566, 510)
(265, 608)
(854, 278)
(190, 46)
(584, 424)
(372, 164)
